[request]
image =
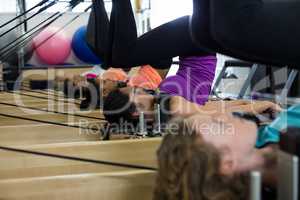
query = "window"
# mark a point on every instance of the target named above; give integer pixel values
(163, 11)
(57, 7)
(8, 6)
(61, 5)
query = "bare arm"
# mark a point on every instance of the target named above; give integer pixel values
(182, 107)
(257, 107)
(228, 104)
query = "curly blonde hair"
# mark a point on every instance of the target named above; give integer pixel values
(190, 170)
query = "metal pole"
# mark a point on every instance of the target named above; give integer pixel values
(1, 77)
(248, 81)
(157, 127)
(288, 176)
(255, 186)
(142, 125)
(285, 91)
(218, 80)
(21, 8)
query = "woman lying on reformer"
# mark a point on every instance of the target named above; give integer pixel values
(186, 93)
(211, 156)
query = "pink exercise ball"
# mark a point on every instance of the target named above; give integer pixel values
(52, 47)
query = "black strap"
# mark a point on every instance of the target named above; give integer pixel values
(23, 42)
(101, 162)
(22, 36)
(63, 27)
(7, 54)
(24, 13)
(32, 16)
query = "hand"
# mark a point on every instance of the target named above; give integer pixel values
(267, 107)
(258, 107)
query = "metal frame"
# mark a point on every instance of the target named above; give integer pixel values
(247, 83)
(232, 63)
(285, 91)
(237, 64)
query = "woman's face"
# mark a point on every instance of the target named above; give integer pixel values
(108, 86)
(229, 134)
(142, 100)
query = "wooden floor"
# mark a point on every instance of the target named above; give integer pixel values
(45, 121)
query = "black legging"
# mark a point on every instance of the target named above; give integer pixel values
(125, 49)
(97, 29)
(260, 31)
(101, 35)
(255, 30)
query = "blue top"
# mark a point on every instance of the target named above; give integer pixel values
(271, 133)
(266, 135)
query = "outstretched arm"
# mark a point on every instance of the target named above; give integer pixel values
(257, 107)
(182, 107)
